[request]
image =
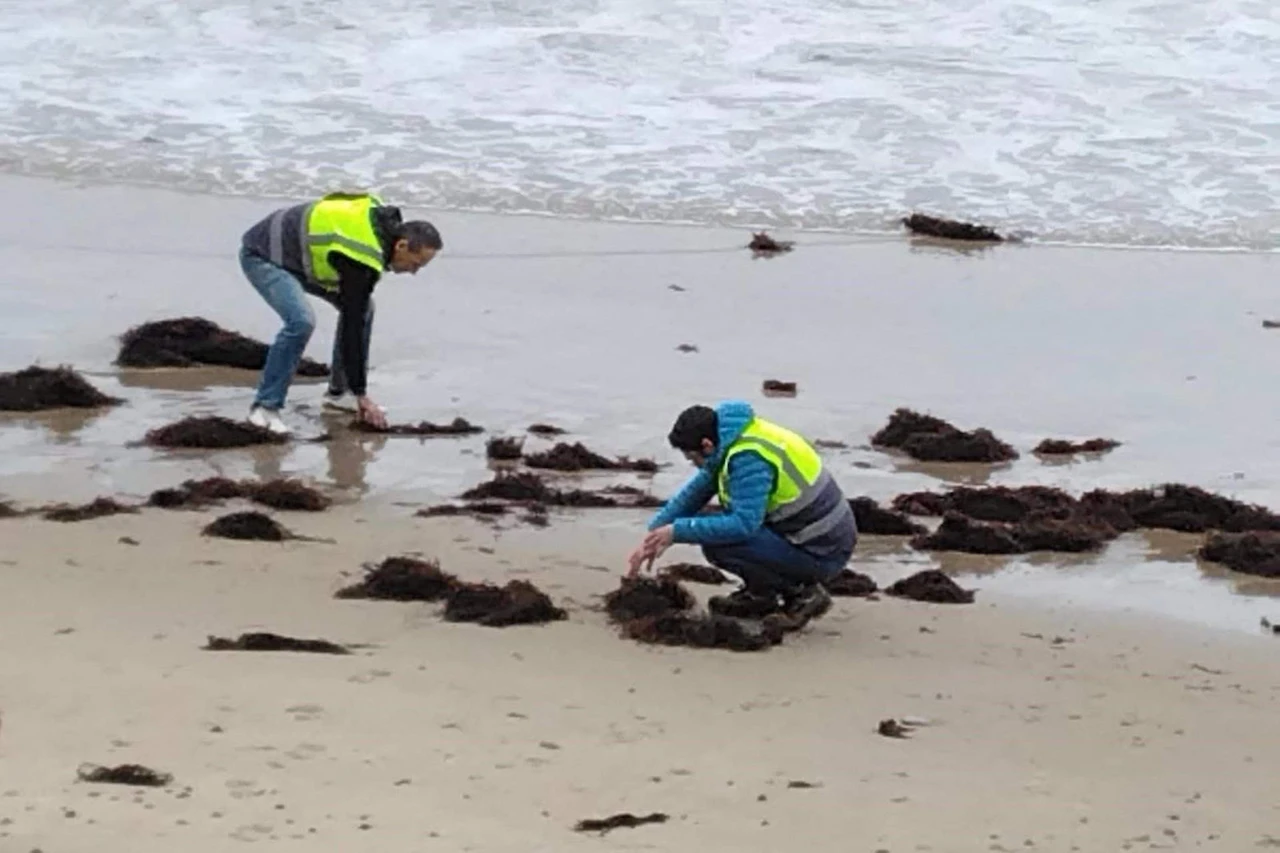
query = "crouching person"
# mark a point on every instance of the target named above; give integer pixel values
(785, 526)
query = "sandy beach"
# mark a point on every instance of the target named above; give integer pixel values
(1112, 701)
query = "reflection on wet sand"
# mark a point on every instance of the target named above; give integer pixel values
(978, 337)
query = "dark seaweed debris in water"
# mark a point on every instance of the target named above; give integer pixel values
(992, 503)
(458, 426)
(763, 244)
(1174, 506)
(932, 586)
(190, 341)
(521, 486)
(248, 526)
(851, 584)
(949, 229)
(577, 457)
(1061, 447)
(1248, 553)
(961, 533)
(262, 641)
(483, 510)
(874, 520)
(124, 774)
(618, 821)
(98, 508)
(930, 439)
(693, 573)
(504, 447)
(779, 387)
(402, 579)
(1046, 530)
(288, 494)
(211, 433)
(38, 389)
(517, 603)
(282, 494)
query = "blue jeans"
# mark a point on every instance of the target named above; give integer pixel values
(286, 295)
(769, 564)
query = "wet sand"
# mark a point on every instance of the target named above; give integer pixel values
(1050, 729)
(522, 320)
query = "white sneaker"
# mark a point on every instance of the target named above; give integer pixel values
(268, 419)
(345, 402)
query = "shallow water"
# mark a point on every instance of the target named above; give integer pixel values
(1137, 122)
(1164, 352)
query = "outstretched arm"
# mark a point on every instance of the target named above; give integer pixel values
(751, 480)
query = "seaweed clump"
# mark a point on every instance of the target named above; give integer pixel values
(577, 457)
(1062, 447)
(851, 584)
(930, 439)
(263, 641)
(932, 586)
(38, 389)
(505, 448)
(531, 490)
(211, 433)
(657, 610)
(191, 341)
(1189, 509)
(281, 494)
(950, 229)
(425, 429)
(517, 603)
(693, 573)
(402, 579)
(993, 503)
(1248, 553)
(875, 520)
(763, 244)
(626, 820)
(248, 526)
(1071, 532)
(124, 774)
(98, 508)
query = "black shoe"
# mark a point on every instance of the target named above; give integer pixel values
(743, 604)
(807, 603)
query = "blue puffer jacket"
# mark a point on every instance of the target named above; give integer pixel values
(751, 481)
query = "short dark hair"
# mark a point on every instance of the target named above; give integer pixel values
(692, 426)
(419, 235)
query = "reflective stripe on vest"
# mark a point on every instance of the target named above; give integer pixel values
(341, 223)
(801, 481)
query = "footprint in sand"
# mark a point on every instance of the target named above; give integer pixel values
(367, 677)
(251, 832)
(305, 713)
(306, 751)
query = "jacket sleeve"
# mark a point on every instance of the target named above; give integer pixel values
(355, 288)
(750, 483)
(692, 497)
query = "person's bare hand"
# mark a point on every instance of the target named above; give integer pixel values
(370, 413)
(658, 541)
(637, 559)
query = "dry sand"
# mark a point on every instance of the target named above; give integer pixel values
(1050, 730)
(1132, 732)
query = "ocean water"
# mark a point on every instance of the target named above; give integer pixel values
(1123, 122)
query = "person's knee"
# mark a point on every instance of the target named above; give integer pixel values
(301, 324)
